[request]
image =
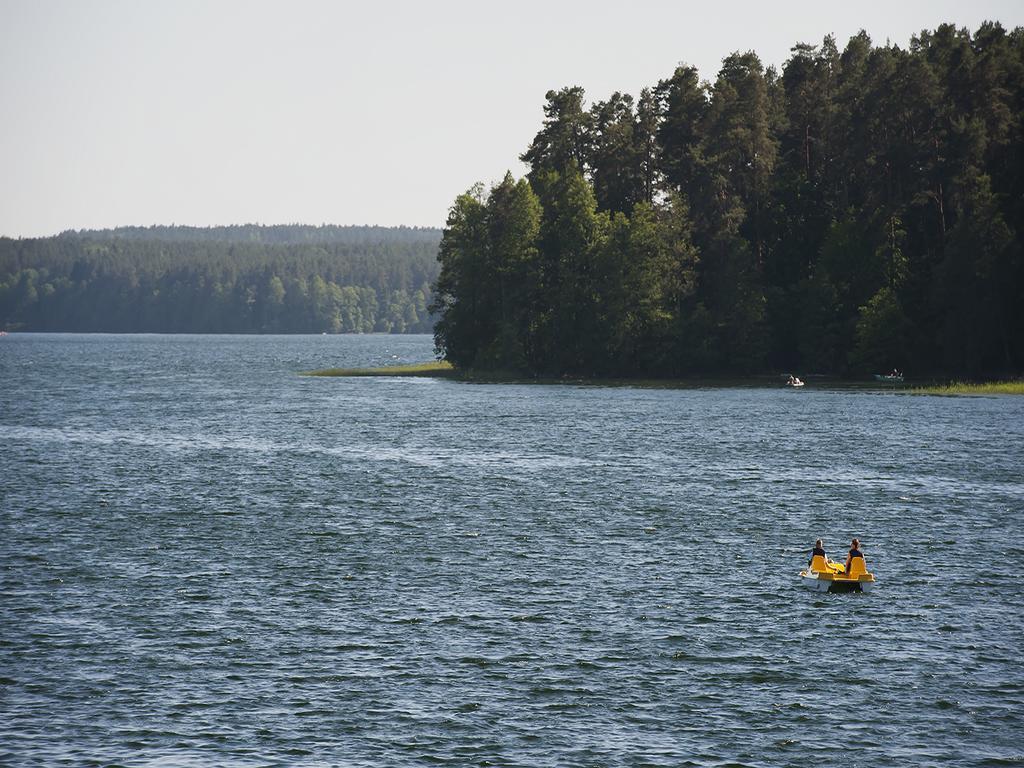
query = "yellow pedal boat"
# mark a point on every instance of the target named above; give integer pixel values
(825, 576)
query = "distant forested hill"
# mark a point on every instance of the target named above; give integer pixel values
(279, 234)
(237, 279)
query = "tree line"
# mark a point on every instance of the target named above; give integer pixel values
(244, 279)
(281, 234)
(860, 210)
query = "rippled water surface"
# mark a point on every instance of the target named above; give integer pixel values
(208, 559)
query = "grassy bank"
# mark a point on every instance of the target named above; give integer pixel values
(970, 388)
(432, 369)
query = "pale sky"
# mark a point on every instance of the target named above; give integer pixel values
(204, 112)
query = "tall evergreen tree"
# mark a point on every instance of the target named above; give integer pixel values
(565, 138)
(615, 161)
(464, 293)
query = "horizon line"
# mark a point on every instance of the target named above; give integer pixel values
(322, 225)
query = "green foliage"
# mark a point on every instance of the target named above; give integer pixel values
(566, 136)
(463, 293)
(882, 333)
(861, 210)
(246, 279)
(489, 275)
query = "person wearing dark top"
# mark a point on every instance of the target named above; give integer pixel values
(854, 552)
(818, 550)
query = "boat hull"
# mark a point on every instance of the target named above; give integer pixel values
(835, 584)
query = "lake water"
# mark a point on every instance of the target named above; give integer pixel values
(210, 560)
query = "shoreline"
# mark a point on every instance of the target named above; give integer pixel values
(443, 370)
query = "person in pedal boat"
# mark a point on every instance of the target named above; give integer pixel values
(826, 565)
(819, 549)
(854, 552)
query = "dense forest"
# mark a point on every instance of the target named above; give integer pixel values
(860, 210)
(240, 279)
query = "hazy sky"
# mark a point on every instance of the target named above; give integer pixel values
(229, 111)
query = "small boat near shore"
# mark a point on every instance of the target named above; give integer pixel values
(826, 576)
(891, 378)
